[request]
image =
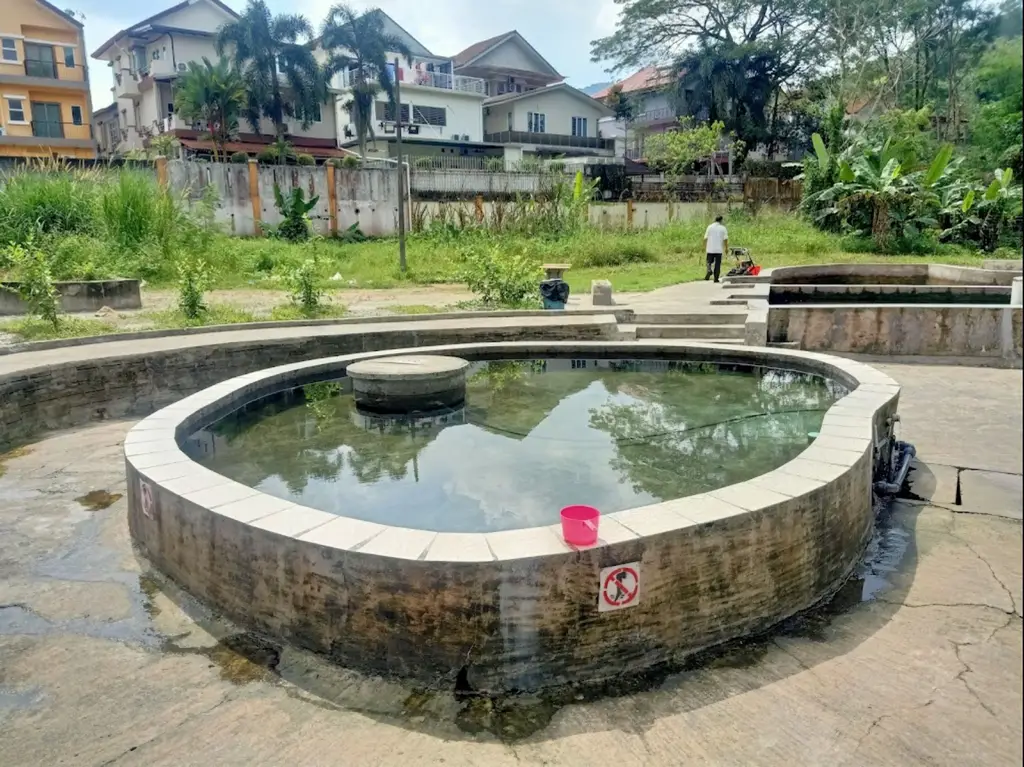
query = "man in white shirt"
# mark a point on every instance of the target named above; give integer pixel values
(716, 242)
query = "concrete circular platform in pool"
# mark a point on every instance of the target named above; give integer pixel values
(415, 382)
(516, 609)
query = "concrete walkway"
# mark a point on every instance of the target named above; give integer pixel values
(918, 662)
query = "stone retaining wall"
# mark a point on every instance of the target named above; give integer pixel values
(80, 296)
(134, 384)
(514, 610)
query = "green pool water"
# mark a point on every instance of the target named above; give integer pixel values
(532, 437)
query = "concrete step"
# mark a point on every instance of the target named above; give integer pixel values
(720, 317)
(785, 344)
(703, 332)
(728, 302)
(737, 285)
(747, 279)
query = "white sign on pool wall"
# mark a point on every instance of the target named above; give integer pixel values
(146, 495)
(619, 587)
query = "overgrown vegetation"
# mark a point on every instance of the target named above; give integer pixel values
(31, 269)
(294, 209)
(193, 282)
(304, 286)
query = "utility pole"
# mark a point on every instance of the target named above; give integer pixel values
(401, 173)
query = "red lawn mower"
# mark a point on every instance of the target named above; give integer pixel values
(745, 265)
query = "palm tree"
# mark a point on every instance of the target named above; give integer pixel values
(214, 95)
(360, 45)
(273, 57)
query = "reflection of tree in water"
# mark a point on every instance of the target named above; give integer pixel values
(317, 440)
(688, 432)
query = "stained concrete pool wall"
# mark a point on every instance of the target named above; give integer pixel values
(69, 383)
(514, 610)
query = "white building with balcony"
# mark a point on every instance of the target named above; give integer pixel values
(146, 58)
(441, 111)
(529, 110)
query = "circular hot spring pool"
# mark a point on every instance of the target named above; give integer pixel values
(532, 436)
(733, 483)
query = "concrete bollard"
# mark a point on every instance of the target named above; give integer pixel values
(1017, 292)
(601, 293)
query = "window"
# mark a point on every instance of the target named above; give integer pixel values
(170, 110)
(535, 122)
(510, 122)
(317, 114)
(156, 55)
(10, 49)
(76, 115)
(46, 120)
(39, 61)
(579, 126)
(429, 115)
(385, 111)
(578, 364)
(69, 57)
(16, 110)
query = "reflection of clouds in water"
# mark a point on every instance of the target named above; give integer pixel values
(538, 443)
(552, 468)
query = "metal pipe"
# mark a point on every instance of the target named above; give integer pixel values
(891, 488)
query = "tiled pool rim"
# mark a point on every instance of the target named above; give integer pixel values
(422, 604)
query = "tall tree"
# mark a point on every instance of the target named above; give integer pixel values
(213, 95)
(359, 45)
(281, 74)
(733, 55)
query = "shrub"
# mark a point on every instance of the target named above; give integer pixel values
(129, 208)
(334, 162)
(47, 201)
(267, 157)
(304, 284)
(35, 282)
(305, 159)
(501, 278)
(240, 158)
(295, 210)
(78, 257)
(350, 161)
(193, 281)
(772, 169)
(494, 164)
(424, 163)
(617, 253)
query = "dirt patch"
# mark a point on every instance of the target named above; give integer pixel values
(97, 500)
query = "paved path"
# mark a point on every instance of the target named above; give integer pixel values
(102, 662)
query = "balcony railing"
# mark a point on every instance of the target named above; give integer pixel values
(60, 130)
(549, 139)
(656, 115)
(425, 79)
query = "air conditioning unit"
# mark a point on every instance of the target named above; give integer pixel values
(182, 66)
(465, 137)
(3, 130)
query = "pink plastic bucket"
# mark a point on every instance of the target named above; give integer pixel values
(579, 525)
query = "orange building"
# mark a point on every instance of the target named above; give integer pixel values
(45, 108)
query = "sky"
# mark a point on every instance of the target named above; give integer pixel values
(561, 31)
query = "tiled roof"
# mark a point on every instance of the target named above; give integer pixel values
(476, 49)
(646, 79)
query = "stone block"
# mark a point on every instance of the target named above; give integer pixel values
(601, 293)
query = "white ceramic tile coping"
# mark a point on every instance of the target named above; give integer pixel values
(845, 438)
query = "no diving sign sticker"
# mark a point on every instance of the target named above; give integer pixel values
(619, 587)
(146, 495)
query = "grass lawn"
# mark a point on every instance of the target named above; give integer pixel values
(635, 261)
(640, 260)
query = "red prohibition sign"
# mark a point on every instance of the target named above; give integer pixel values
(617, 591)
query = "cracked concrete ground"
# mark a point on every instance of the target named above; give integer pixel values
(918, 661)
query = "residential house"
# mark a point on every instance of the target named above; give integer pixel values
(44, 83)
(528, 109)
(145, 60)
(654, 101)
(441, 111)
(107, 131)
